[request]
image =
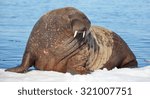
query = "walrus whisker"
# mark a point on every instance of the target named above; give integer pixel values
(75, 33)
(71, 41)
(71, 51)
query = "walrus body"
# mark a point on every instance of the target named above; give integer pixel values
(64, 40)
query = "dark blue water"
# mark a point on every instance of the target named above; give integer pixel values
(129, 18)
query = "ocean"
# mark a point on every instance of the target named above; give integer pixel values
(128, 18)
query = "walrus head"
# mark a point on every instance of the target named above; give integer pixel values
(74, 20)
(68, 27)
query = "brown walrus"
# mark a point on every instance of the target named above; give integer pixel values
(64, 40)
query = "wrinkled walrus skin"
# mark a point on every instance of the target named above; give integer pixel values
(109, 50)
(63, 40)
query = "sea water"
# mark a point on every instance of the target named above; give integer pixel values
(128, 18)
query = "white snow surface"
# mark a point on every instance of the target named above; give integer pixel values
(115, 75)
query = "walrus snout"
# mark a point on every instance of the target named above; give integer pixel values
(79, 27)
(79, 23)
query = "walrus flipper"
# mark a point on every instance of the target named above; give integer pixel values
(131, 64)
(26, 63)
(78, 70)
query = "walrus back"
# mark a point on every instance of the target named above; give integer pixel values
(110, 51)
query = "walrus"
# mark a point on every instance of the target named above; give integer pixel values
(63, 40)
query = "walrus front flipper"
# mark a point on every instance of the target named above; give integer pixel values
(78, 70)
(26, 63)
(77, 66)
(17, 69)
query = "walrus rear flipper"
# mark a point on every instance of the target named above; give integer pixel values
(26, 63)
(131, 64)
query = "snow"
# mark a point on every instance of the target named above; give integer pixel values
(115, 75)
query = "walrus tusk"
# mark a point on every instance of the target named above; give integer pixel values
(83, 34)
(75, 33)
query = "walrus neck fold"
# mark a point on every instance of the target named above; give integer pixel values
(92, 47)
